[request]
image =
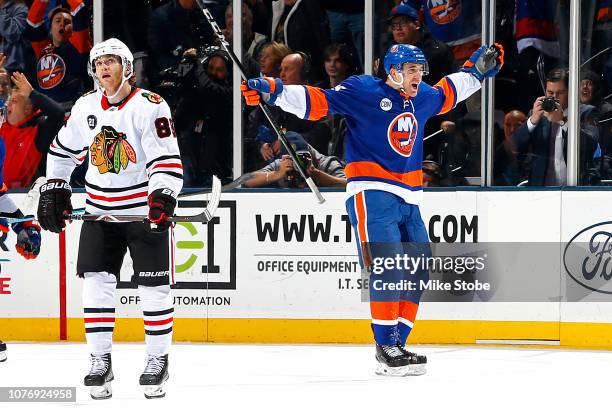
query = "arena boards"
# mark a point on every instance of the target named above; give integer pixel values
(277, 272)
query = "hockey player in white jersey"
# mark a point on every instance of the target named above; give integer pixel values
(134, 168)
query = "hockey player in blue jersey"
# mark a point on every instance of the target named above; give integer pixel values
(384, 152)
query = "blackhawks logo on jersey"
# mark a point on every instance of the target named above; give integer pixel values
(402, 133)
(110, 151)
(153, 97)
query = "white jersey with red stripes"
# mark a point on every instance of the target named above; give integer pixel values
(132, 151)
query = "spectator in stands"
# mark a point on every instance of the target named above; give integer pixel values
(457, 23)
(175, 28)
(339, 64)
(13, 14)
(62, 50)
(261, 10)
(602, 40)
(5, 85)
(346, 24)
(505, 161)
(432, 174)
(214, 156)
(270, 58)
(537, 41)
(203, 117)
(301, 26)
(407, 29)
(252, 42)
(591, 92)
(326, 171)
(545, 132)
(294, 70)
(33, 120)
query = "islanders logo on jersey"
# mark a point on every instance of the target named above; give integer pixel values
(50, 70)
(110, 151)
(402, 133)
(444, 11)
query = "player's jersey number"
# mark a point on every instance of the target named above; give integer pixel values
(165, 127)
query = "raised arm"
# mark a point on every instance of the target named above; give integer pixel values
(305, 102)
(485, 62)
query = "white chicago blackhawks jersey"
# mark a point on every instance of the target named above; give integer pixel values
(132, 151)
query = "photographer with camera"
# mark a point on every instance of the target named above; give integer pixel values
(545, 134)
(202, 94)
(326, 171)
(175, 28)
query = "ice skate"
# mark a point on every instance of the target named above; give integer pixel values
(392, 362)
(2, 352)
(418, 361)
(100, 377)
(154, 376)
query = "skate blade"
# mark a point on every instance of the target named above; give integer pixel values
(154, 391)
(100, 392)
(404, 371)
(2, 356)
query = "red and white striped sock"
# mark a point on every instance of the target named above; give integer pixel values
(158, 315)
(99, 290)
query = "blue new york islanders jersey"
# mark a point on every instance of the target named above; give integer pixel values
(384, 149)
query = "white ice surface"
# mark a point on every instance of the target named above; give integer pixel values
(321, 376)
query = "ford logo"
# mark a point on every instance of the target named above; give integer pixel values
(587, 257)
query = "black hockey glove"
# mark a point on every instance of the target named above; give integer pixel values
(54, 205)
(161, 206)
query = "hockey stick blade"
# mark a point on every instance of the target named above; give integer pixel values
(29, 205)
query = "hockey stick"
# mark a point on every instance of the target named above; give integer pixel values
(203, 217)
(299, 164)
(433, 134)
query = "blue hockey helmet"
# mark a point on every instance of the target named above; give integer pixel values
(399, 54)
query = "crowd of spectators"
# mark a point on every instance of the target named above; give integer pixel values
(320, 43)
(44, 47)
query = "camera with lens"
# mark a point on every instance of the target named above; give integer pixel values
(294, 179)
(549, 103)
(180, 80)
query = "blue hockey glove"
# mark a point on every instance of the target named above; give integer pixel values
(485, 62)
(262, 88)
(28, 239)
